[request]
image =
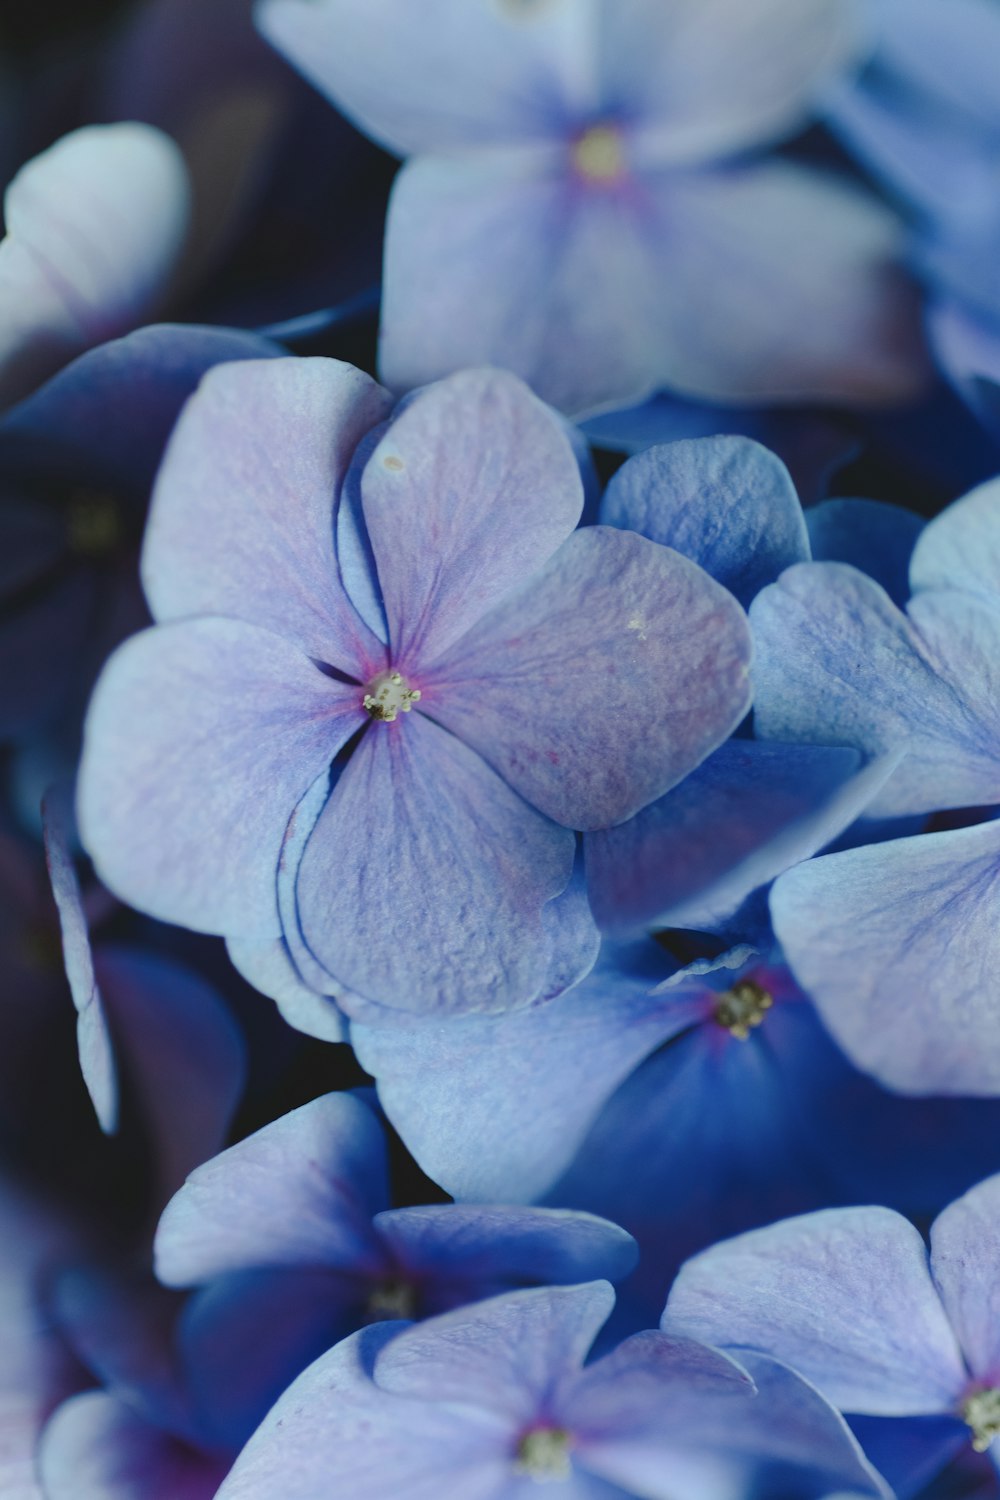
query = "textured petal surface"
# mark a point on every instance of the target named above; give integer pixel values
(603, 682)
(836, 661)
(437, 905)
(200, 739)
(318, 1174)
(471, 490)
(876, 538)
(898, 946)
(334, 1421)
(243, 512)
(94, 227)
(506, 1355)
(493, 1108)
(97, 1448)
(746, 814)
(844, 1296)
(965, 1252)
(459, 74)
(960, 549)
(725, 502)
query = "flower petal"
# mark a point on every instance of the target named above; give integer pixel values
(726, 502)
(94, 228)
(471, 490)
(603, 681)
(243, 511)
(844, 1296)
(876, 538)
(270, 968)
(96, 1447)
(965, 1250)
(424, 880)
(201, 737)
(960, 549)
(899, 944)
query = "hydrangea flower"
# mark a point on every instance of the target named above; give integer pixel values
(416, 592)
(850, 1299)
(493, 1401)
(572, 209)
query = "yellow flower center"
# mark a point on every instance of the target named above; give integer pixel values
(598, 154)
(981, 1412)
(387, 695)
(742, 1008)
(543, 1455)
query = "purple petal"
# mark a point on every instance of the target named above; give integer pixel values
(111, 410)
(334, 1420)
(601, 683)
(494, 1108)
(505, 1355)
(725, 502)
(183, 1052)
(242, 516)
(707, 79)
(749, 812)
(299, 1192)
(837, 662)
(201, 737)
(269, 967)
(471, 490)
(494, 1248)
(94, 228)
(456, 76)
(437, 904)
(960, 549)
(876, 538)
(844, 1296)
(965, 1252)
(898, 944)
(97, 1448)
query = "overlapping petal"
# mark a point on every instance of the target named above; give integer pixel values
(876, 538)
(97, 1447)
(201, 737)
(960, 549)
(965, 1248)
(601, 683)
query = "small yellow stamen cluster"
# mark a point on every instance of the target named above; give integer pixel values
(543, 1455)
(742, 1008)
(981, 1412)
(93, 523)
(598, 155)
(388, 695)
(393, 1299)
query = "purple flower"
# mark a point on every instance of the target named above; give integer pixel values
(849, 1298)
(324, 577)
(489, 1402)
(571, 209)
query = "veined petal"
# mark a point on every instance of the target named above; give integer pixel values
(94, 228)
(200, 739)
(242, 518)
(424, 880)
(960, 548)
(471, 490)
(965, 1250)
(602, 682)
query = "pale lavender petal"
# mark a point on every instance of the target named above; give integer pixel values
(506, 1355)
(706, 78)
(494, 1108)
(603, 682)
(725, 502)
(201, 737)
(454, 75)
(505, 1246)
(837, 662)
(844, 1296)
(948, 52)
(898, 945)
(94, 228)
(269, 967)
(97, 1058)
(98, 1448)
(424, 881)
(876, 538)
(243, 511)
(334, 1420)
(183, 1052)
(960, 548)
(299, 1192)
(297, 834)
(749, 812)
(965, 1253)
(471, 490)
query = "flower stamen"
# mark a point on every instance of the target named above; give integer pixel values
(388, 695)
(981, 1413)
(742, 1008)
(543, 1454)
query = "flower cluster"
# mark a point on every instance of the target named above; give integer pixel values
(500, 750)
